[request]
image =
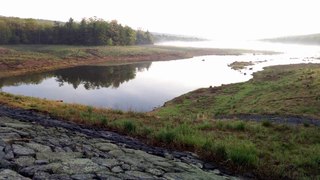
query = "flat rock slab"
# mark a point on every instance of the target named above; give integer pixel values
(74, 166)
(35, 151)
(9, 174)
(20, 150)
(57, 156)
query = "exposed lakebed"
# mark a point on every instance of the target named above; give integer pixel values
(141, 86)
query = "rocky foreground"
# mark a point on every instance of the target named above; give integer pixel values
(34, 146)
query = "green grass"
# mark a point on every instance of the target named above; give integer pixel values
(265, 149)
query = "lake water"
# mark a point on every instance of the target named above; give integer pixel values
(144, 86)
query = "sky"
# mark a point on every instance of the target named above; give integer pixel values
(214, 19)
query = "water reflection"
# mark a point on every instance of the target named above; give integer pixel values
(91, 77)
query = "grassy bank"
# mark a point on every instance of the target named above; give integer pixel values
(280, 90)
(264, 149)
(19, 59)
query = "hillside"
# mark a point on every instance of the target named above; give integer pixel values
(312, 39)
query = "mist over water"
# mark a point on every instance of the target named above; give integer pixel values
(144, 86)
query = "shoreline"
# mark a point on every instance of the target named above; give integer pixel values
(50, 56)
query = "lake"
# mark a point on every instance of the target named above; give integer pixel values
(145, 86)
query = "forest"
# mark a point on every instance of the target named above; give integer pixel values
(91, 31)
(311, 39)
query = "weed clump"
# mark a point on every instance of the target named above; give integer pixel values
(243, 155)
(266, 123)
(166, 135)
(129, 126)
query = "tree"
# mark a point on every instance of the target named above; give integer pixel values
(5, 32)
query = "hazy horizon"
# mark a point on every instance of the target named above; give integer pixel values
(229, 19)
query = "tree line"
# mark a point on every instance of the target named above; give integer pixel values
(92, 31)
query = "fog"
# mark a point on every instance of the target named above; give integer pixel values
(214, 19)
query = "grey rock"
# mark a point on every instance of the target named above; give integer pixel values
(9, 155)
(126, 150)
(199, 165)
(22, 151)
(105, 175)
(162, 164)
(41, 162)
(125, 167)
(57, 156)
(116, 153)
(38, 147)
(4, 164)
(117, 169)
(7, 148)
(157, 172)
(9, 174)
(59, 177)
(140, 175)
(31, 170)
(216, 171)
(106, 147)
(149, 157)
(68, 149)
(83, 176)
(58, 149)
(10, 130)
(193, 175)
(24, 161)
(40, 175)
(2, 143)
(106, 162)
(74, 166)
(54, 142)
(183, 166)
(131, 159)
(168, 156)
(9, 136)
(2, 155)
(18, 125)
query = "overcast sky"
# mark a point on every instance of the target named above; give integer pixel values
(218, 19)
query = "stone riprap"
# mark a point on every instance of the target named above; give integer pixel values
(31, 150)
